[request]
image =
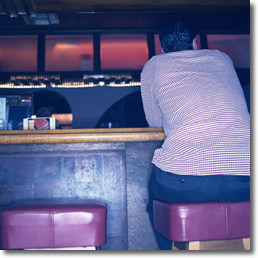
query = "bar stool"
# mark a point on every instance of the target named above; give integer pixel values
(195, 222)
(60, 223)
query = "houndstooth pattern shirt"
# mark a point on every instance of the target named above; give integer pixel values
(195, 95)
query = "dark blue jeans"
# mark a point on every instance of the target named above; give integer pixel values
(174, 188)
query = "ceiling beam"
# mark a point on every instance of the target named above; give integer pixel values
(57, 6)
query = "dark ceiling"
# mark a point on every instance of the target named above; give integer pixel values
(76, 15)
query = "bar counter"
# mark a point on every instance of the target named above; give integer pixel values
(81, 135)
(111, 165)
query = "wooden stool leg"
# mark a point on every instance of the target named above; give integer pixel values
(180, 245)
(214, 245)
(230, 244)
(195, 245)
(246, 242)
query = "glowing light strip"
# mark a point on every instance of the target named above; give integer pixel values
(12, 86)
(130, 84)
(89, 85)
(69, 85)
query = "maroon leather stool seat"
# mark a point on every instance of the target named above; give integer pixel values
(187, 222)
(62, 223)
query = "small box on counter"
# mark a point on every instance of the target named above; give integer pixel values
(40, 123)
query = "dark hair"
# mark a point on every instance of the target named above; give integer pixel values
(176, 34)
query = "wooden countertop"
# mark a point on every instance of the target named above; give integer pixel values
(81, 135)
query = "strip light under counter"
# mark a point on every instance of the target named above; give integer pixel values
(56, 81)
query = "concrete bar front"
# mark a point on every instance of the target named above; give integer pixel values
(111, 165)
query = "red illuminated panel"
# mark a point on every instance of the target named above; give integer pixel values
(69, 53)
(123, 52)
(236, 46)
(18, 53)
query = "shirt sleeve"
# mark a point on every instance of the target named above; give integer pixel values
(152, 111)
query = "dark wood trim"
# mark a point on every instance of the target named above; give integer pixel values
(81, 135)
(41, 53)
(151, 44)
(96, 53)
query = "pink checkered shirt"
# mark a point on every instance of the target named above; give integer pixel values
(195, 95)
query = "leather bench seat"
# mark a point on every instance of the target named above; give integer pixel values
(186, 222)
(53, 224)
